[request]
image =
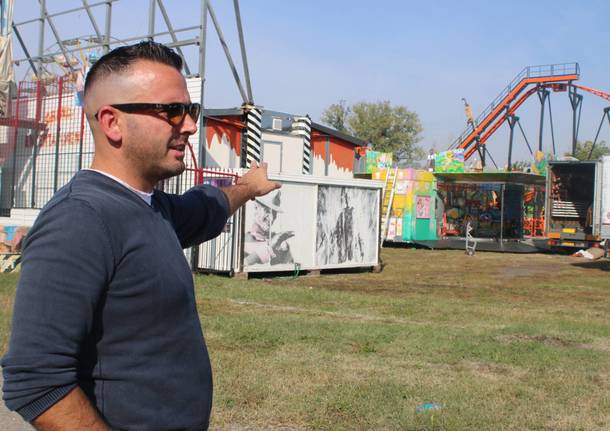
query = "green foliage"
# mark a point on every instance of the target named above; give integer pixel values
(583, 149)
(389, 129)
(336, 116)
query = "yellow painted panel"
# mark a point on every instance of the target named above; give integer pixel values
(399, 201)
(378, 174)
(424, 176)
(423, 187)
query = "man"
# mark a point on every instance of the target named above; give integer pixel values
(346, 242)
(261, 244)
(105, 327)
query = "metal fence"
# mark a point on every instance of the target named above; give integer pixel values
(220, 254)
(45, 141)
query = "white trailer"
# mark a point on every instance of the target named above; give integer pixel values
(578, 203)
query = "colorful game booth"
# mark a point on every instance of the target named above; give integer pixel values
(500, 211)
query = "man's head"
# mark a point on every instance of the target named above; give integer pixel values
(120, 59)
(140, 113)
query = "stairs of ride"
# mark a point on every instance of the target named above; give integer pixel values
(530, 74)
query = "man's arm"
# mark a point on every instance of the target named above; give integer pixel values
(66, 264)
(254, 183)
(199, 214)
(73, 412)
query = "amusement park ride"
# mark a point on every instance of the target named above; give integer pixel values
(532, 79)
(58, 69)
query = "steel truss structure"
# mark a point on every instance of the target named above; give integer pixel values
(47, 137)
(102, 38)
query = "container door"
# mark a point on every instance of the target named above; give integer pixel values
(272, 154)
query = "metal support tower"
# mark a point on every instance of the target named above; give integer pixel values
(512, 120)
(104, 40)
(576, 102)
(481, 150)
(100, 37)
(543, 93)
(605, 115)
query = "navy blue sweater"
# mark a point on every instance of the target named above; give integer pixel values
(106, 302)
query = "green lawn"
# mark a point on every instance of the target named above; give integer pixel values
(494, 341)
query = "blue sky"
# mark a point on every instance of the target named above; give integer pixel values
(303, 56)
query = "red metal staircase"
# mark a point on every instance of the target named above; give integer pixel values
(520, 88)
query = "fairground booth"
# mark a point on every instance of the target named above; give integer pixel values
(504, 210)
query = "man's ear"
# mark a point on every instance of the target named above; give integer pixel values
(109, 123)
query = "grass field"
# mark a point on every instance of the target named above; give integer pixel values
(492, 342)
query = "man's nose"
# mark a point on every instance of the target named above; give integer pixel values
(189, 125)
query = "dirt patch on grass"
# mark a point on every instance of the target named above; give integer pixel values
(266, 308)
(544, 339)
(492, 371)
(601, 344)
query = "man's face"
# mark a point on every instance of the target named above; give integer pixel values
(153, 147)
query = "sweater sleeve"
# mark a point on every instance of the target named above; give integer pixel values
(67, 262)
(197, 215)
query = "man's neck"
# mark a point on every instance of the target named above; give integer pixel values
(146, 196)
(123, 176)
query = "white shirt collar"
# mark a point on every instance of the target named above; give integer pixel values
(146, 197)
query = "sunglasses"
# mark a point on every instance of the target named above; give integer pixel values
(174, 113)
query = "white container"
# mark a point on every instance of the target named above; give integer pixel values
(311, 223)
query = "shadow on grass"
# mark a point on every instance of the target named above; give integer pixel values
(603, 264)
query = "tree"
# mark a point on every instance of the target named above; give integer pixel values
(584, 148)
(336, 116)
(388, 128)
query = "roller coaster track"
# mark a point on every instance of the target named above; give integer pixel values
(511, 98)
(599, 93)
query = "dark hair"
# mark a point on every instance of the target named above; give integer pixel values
(121, 58)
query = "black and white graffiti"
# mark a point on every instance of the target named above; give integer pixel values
(262, 244)
(280, 229)
(347, 225)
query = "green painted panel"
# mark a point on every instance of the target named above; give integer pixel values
(425, 229)
(407, 227)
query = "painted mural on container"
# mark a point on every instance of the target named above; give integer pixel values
(339, 162)
(279, 229)
(346, 225)
(11, 238)
(540, 163)
(449, 161)
(422, 209)
(223, 143)
(376, 159)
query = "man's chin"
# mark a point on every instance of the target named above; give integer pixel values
(172, 171)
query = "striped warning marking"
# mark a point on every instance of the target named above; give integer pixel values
(253, 136)
(301, 126)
